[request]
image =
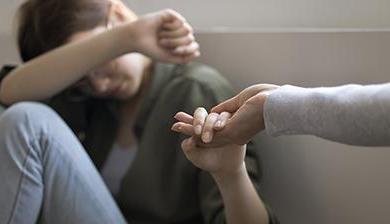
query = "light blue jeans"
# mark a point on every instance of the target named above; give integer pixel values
(45, 174)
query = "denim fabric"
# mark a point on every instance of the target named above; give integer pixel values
(46, 175)
(1, 109)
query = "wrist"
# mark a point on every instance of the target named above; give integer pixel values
(230, 178)
(124, 39)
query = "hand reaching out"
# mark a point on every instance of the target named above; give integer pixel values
(236, 120)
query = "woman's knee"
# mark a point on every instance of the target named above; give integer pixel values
(31, 113)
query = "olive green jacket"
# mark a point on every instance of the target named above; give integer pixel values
(161, 186)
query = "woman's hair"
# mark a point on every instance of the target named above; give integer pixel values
(46, 24)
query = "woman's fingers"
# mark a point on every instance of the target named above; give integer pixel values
(184, 125)
(187, 50)
(200, 116)
(169, 16)
(184, 117)
(184, 30)
(222, 119)
(177, 37)
(183, 128)
(208, 128)
(173, 25)
(202, 125)
(177, 42)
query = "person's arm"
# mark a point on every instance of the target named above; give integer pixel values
(54, 71)
(226, 165)
(234, 177)
(50, 73)
(351, 114)
(207, 89)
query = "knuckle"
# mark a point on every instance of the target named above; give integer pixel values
(213, 115)
(188, 28)
(169, 11)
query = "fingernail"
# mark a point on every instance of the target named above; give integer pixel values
(198, 129)
(179, 50)
(176, 128)
(218, 124)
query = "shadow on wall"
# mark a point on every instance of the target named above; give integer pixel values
(8, 52)
(309, 180)
(306, 179)
(302, 58)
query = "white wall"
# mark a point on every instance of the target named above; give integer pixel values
(307, 180)
(7, 12)
(276, 13)
(206, 14)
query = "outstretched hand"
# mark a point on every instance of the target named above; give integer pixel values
(234, 121)
(165, 36)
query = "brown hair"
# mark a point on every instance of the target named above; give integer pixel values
(46, 24)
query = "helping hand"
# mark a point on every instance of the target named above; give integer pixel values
(234, 121)
(247, 109)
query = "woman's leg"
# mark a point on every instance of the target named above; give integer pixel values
(45, 173)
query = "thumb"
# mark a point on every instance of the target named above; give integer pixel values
(231, 105)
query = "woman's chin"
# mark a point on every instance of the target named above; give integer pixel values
(123, 95)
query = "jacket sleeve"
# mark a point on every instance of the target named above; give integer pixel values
(351, 114)
(206, 88)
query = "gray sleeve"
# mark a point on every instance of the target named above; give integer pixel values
(351, 114)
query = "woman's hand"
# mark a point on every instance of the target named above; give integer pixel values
(220, 159)
(165, 36)
(226, 165)
(204, 126)
(234, 121)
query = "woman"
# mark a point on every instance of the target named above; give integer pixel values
(105, 83)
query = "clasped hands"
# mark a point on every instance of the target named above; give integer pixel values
(217, 140)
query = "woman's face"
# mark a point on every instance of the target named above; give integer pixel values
(120, 78)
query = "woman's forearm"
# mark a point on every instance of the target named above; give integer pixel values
(351, 114)
(242, 203)
(54, 71)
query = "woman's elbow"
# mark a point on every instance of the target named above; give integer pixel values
(5, 97)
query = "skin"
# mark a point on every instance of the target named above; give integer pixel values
(218, 144)
(226, 165)
(116, 68)
(234, 121)
(119, 68)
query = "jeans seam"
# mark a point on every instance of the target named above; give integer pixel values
(22, 176)
(98, 200)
